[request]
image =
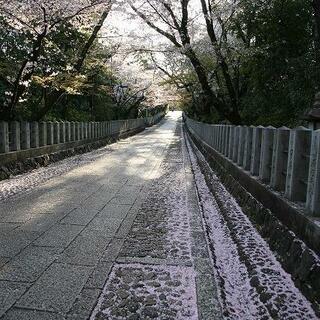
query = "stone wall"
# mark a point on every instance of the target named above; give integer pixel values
(293, 236)
(26, 146)
(286, 160)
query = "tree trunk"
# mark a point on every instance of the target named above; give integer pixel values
(316, 8)
(79, 64)
(25, 75)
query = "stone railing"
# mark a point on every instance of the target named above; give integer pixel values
(287, 160)
(20, 137)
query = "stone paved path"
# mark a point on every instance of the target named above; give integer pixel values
(118, 237)
(131, 231)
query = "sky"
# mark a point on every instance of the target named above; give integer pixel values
(132, 33)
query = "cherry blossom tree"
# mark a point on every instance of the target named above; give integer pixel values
(39, 18)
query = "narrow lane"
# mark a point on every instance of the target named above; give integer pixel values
(131, 231)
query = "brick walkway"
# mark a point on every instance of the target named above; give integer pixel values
(119, 237)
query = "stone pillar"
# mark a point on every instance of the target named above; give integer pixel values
(4, 137)
(298, 164)
(62, 132)
(280, 159)
(42, 134)
(82, 133)
(73, 131)
(219, 140)
(247, 148)
(77, 131)
(50, 134)
(222, 138)
(236, 144)
(231, 142)
(85, 130)
(68, 131)
(313, 190)
(226, 140)
(256, 150)
(242, 142)
(56, 132)
(14, 136)
(89, 130)
(266, 154)
(25, 135)
(34, 127)
(211, 136)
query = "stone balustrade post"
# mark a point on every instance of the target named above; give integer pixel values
(73, 131)
(266, 154)
(211, 135)
(86, 130)
(25, 135)
(298, 164)
(43, 131)
(242, 142)
(219, 140)
(77, 131)
(108, 128)
(4, 137)
(218, 137)
(96, 129)
(14, 136)
(236, 144)
(91, 126)
(100, 130)
(226, 139)
(50, 133)
(62, 132)
(34, 136)
(231, 142)
(56, 132)
(313, 190)
(68, 131)
(214, 134)
(256, 150)
(280, 159)
(248, 148)
(222, 138)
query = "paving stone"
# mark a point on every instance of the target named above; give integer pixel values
(80, 216)
(6, 227)
(29, 264)
(16, 217)
(10, 292)
(113, 250)
(40, 222)
(56, 289)
(203, 266)
(14, 242)
(50, 207)
(22, 314)
(199, 245)
(207, 298)
(84, 304)
(99, 275)
(59, 235)
(114, 211)
(110, 226)
(97, 202)
(86, 249)
(124, 199)
(3, 261)
(125, 227)
(135, 290)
